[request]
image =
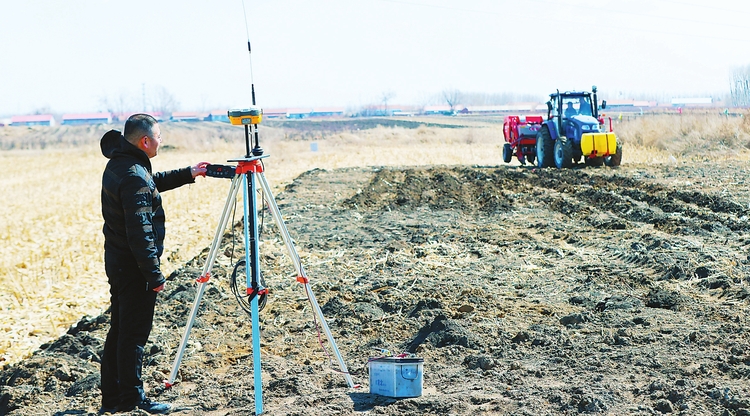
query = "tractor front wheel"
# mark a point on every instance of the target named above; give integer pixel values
(563, 153)
(507, 153)
(544, 148)
(615, 159)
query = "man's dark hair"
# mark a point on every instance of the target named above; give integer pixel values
(137, 126)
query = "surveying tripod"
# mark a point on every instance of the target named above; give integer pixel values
(247, 174)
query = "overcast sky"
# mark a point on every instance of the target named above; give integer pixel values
(75, 55)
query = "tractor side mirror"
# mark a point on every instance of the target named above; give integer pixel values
(604, 104)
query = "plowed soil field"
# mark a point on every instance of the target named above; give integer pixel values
(526, 291)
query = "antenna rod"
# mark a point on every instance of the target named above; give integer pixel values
(250, 53)
(257, 150)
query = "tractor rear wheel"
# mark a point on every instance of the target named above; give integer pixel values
(544, 149)
(594, 161)
(563, 153)
(615, 159)
(507, 153)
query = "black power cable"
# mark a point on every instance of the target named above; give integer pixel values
(239, 289)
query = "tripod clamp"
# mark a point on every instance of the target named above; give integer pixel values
(251, 165)
(244, 166)
(259, 291)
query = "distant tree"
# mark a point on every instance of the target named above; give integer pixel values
(120, 104)
(387, 96)
(205, 106)
(739, 86)
(483, 98)
(424, 99)
(163, 101)
(452, 97)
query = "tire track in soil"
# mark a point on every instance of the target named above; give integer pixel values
(595, 200)
(640, 201)
(614, 202)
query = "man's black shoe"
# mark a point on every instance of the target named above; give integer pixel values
(148, 406)
(104, 410)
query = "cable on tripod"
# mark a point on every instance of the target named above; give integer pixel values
(239, 289)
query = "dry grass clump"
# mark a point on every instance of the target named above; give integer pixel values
(688, 134)
(51, 237)
(41, 137)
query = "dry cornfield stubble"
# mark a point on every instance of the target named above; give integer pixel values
(51, 269)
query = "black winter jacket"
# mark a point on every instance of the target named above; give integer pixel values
(131, 207)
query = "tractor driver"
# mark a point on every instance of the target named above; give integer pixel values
(570, 111)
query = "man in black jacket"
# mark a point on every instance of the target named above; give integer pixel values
(133, 242)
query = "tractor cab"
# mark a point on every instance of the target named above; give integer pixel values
(574, 112)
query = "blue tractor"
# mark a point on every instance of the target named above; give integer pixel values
(574, 130)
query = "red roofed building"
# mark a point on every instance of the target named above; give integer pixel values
(124, 116)
(218, 115)
(275, 112)
(188, 116)
(33, 120)
(296, 113)
(327, 112)
(87, 118)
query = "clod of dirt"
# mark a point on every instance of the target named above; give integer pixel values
(442, 332)
(621, 302)
(664, 299)
(482, 362)
(574, 319)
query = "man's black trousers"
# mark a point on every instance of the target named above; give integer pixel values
(132, 317)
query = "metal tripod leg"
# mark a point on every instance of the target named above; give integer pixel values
(302, 277)
(206, 274)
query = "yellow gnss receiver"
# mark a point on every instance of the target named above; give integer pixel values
(245, 116)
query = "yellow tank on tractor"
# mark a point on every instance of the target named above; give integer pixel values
(575, 130)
